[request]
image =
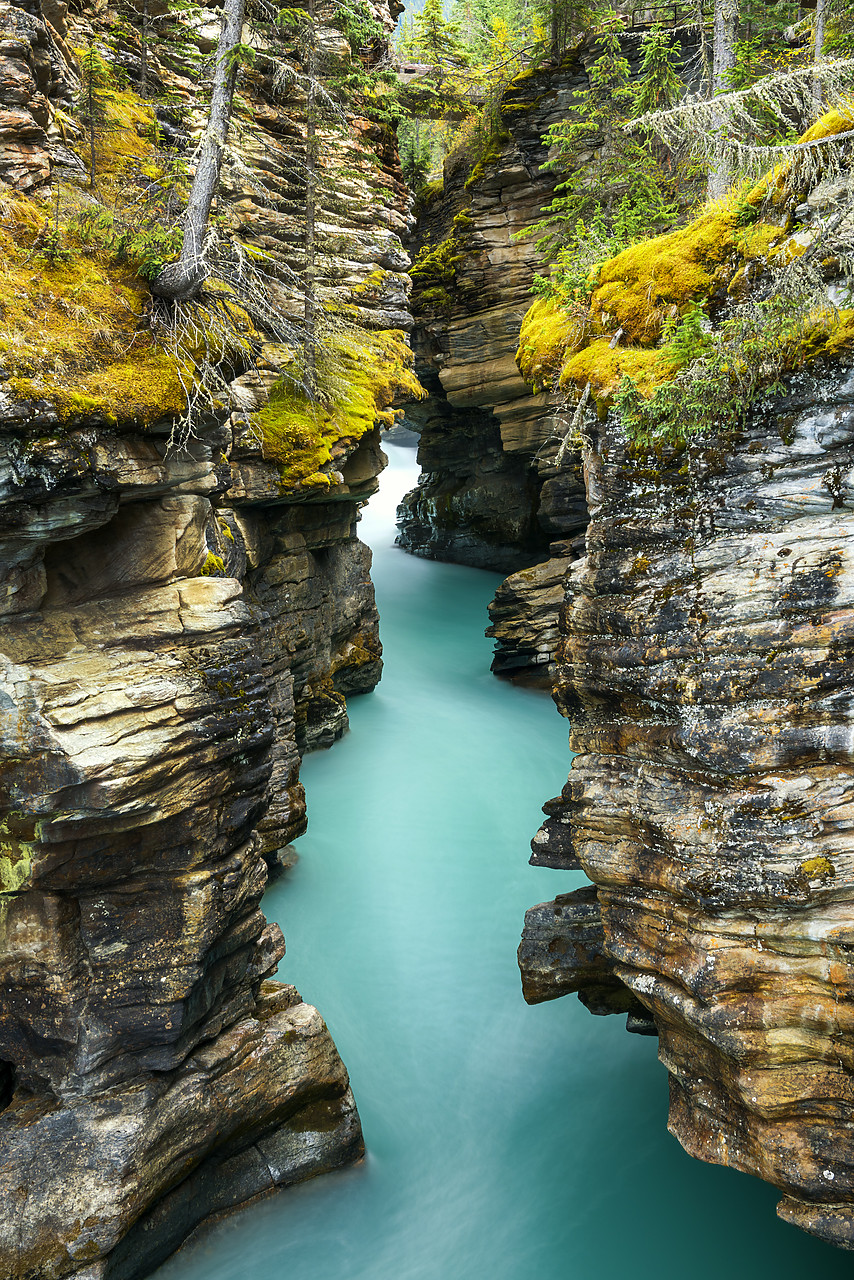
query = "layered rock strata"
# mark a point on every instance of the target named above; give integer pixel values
(181, 617)
(484, 437)
(491, 494)
(705, 669)
(707, 679)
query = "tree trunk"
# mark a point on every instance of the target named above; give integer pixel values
(143, 52)
(310, 316)
(819, 22)
(183, 279)
(723, 52)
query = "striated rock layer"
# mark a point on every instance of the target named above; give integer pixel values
(706, 669)
(486, 496)
(179, 622)
(491, 494)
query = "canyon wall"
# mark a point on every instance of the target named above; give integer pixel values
(705, 668)
(491, 495)
(707, 676)
(184, 612)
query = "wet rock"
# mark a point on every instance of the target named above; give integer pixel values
(706, 672)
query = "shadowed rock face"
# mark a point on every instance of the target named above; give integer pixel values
(491, 494)
(486, 440)
(177, 625)
(707, 673)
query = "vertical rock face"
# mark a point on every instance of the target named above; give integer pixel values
(491, 494)
(707, 674)
(178, 624)
(487, 443)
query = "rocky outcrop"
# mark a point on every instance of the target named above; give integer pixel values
(709, 694)
(490, 494)
(485, 439)
(186, 608)
(705, 669)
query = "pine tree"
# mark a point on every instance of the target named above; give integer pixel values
(438, 43)
(660, 85)
(183, 279)
(621, 176)
(94, 80)
(565, 21)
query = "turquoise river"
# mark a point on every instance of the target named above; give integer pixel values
(504, 1142)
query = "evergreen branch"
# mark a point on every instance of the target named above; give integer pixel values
(783, 93)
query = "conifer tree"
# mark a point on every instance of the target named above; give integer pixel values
(94, 79)
(620, 176)
(183, 279)
(660, 85)
(438, 43)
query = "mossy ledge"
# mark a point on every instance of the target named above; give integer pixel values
(360, 375)
(634, 294)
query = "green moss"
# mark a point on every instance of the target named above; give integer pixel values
(360, 374)
(17, 848)
(490, 157)
(428, 195)
(818, 869)
(654, 283)
(72, 332)
(434, 272)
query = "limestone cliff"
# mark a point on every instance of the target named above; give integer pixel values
(706, 670)
(185, 608)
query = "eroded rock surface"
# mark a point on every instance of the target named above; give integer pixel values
(486, 440)
(707, 675)
(491, 494)
(183, 614)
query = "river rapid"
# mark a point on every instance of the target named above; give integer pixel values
(504, 1142)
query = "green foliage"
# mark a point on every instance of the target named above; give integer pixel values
(660, 84)
(622, 188)
(686, 337)
(237, 56)
(723, 372)
(572, 273)
(146, 245)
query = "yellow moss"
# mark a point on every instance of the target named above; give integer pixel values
(127, 134)
(360, 374)
(660, 279)
(604, 368)
(70, 331)
(547, 331)
(827, 338)
(831, 123)
(774, 183)
(656, 279)
(214, 566)
(818, 869)
(17, 849)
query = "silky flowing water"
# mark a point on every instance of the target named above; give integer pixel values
(504, 1142)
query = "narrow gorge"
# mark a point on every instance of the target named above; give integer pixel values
(652, 498)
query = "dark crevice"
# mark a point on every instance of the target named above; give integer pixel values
(7, 1084)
